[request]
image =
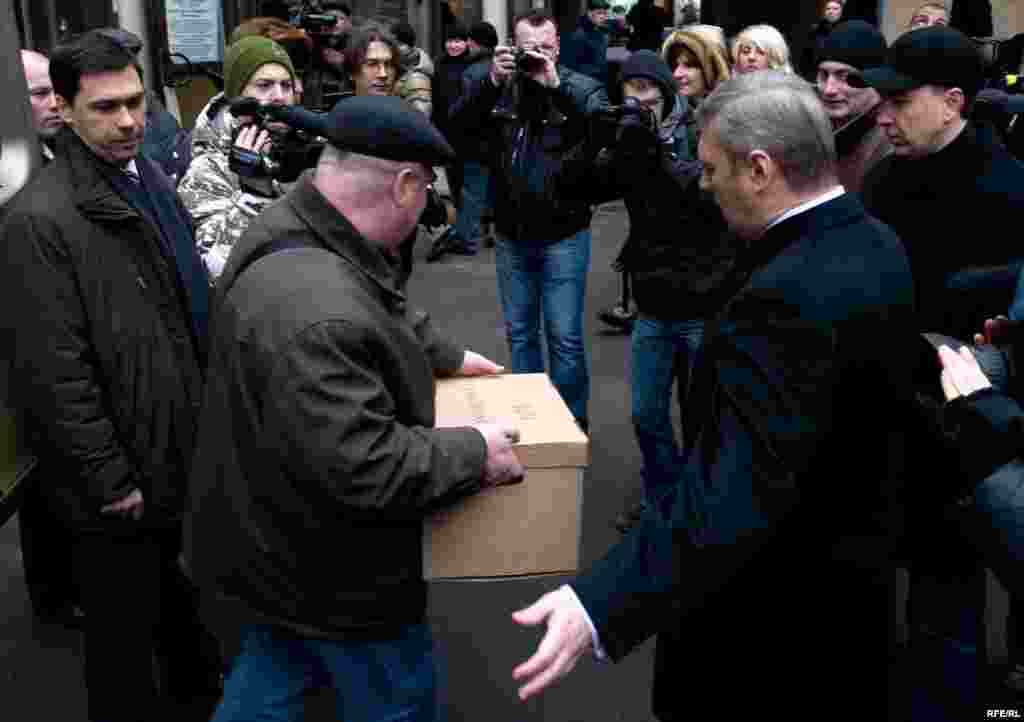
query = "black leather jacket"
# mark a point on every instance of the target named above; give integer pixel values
(535, 139)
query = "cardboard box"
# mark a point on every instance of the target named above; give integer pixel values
(530, 528)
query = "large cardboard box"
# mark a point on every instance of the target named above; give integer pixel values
(530, 528)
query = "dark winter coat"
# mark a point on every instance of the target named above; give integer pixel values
(531, 147)
(317, 438)
(774, 532)
(107, 369)
(679, 253)
(585, 50)
(648, 22)
(446, 87)
(964, 270)
(475, 143)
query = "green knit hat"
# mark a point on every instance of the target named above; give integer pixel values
(245, 57)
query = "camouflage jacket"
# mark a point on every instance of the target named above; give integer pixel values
(210, 190)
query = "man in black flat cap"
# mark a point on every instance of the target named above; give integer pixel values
(317, 436)
(946, 190)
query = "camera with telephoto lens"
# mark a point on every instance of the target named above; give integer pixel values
(630, 127)
(291, 151)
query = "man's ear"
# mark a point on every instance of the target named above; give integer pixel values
(956, 102)
(761, 169)
(405, 188)
(64, 108)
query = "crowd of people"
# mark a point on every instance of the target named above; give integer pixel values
(222, 373)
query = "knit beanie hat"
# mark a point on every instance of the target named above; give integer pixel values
(856, 43)
(484, 34)
(713, 64)
(245, 57)
(647, 64)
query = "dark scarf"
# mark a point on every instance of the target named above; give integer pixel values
(154, 198)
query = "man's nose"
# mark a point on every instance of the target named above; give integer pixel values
(831, 86)
(884, 115)
(276, 93)
(51, 100)
(126, 119)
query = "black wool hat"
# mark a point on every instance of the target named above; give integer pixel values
(385, 127)
(648, 64)
(854, 42)
(598, 5)
(456, 31)
(484, 34)
(936, 55)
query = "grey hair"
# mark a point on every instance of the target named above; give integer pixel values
(776, 113)
(346, 160)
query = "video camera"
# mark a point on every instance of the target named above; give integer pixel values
(291, 152)
(312, 21)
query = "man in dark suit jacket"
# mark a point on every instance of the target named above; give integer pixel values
(764, 569)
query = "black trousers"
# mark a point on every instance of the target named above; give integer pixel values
(140, 606)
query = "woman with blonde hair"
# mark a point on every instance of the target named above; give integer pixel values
(760, 47)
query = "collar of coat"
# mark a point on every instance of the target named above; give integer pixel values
(88, 176)
(812, 223)
(339, 236)
(848, 136)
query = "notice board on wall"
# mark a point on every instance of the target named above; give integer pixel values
(195, 29)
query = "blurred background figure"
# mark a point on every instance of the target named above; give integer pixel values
(760, 47)
(585, 49)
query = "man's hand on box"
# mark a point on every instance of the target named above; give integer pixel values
(503, 466)
(473, 364)
(567, 638)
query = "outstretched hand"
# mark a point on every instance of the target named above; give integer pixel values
(566, 639)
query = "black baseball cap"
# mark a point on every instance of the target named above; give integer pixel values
(384, 126)
(936, 55)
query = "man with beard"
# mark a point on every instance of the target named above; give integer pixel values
(851, 48)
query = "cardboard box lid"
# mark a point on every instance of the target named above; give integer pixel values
(548, 434)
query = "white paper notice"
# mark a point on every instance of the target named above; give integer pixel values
(194, 29)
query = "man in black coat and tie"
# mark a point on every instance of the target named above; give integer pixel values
(764, 570)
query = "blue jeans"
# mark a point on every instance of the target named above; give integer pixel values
(474, 199)
(662, 352)
(548, 280)
(387, 681)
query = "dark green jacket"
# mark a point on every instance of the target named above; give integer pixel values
(318, 456)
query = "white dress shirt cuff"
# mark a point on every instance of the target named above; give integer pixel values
(599, 652)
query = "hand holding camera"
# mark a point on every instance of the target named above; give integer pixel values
(530, 62)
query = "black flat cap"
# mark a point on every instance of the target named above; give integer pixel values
(936, 55)
(385, 127)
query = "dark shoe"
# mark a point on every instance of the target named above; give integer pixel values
(447, 242)
(630, 518)
(618, 317)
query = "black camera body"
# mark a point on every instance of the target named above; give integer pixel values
(526, 63)
(631, 113)
(291, 152)
(312, 21)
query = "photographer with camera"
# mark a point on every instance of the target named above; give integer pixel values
(543, 227)
(222, 201)
(325, 80)
(677, 255)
